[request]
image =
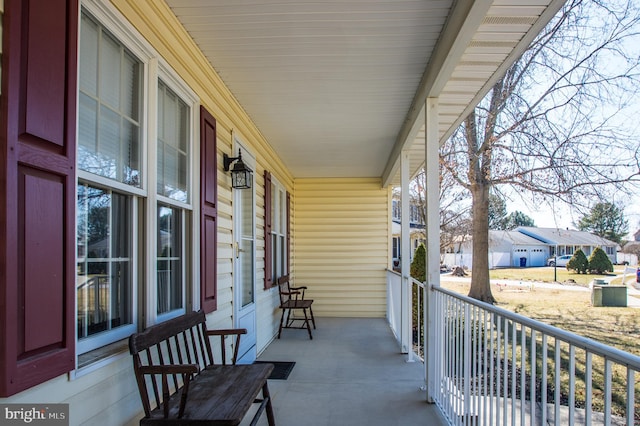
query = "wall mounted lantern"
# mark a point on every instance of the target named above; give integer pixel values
(241, 175)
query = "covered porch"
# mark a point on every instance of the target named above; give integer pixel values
(352, 372)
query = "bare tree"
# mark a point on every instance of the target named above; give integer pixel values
(455, 214)
(559, 124)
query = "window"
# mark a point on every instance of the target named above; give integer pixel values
(277, 217)
(104, 278)
(396, 210)
(173, 161)
(109, 151)
(109, 106)
(134, 190)
(279, 230)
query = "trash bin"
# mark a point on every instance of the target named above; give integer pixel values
(523, 262)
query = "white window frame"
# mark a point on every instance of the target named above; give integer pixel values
(163, 72)
(153, 69)
(279, 249)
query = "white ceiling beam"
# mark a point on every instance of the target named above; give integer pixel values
(458, 32)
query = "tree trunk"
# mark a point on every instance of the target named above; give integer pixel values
(480, 285)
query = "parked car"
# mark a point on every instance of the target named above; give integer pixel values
(559, 261)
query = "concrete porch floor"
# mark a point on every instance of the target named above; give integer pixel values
(351, 373)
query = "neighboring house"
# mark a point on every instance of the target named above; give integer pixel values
(567, 241)
(118, 210)
(416, 228)
(506, 249)
(530, 246)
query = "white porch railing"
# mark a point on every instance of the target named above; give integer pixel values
(395, 316)
(495, 367)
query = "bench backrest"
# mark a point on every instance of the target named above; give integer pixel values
(181, 340)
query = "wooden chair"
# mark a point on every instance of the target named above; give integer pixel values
(292, 299)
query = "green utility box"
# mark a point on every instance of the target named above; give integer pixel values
(609, 295)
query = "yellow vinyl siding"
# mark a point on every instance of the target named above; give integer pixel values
(161, 28)
(106, 392)
(340, 240)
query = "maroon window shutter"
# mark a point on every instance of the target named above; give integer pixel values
(268, 228)
(288, 237)
(37, 193)
(208, 213)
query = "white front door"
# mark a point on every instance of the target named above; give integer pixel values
(244, 282)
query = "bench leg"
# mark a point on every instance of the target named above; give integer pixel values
(313, 320)
(306, 321)
(267, 396)
(281, 320)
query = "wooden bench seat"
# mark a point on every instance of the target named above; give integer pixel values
(180, 384)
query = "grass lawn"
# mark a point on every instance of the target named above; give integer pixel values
(571, 311)
(547, 274)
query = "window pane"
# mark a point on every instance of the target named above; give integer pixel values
(109, 108)
(274, 258)
(104, 291)
(110, 71)
(131, 149)
(108, 142)
(87, 133)
(170, 259)
(89, 57)
(130, 86)
(173, 136)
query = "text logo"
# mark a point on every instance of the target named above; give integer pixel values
(34, 414)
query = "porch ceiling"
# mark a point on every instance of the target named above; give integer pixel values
(338, 87)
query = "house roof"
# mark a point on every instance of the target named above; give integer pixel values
(555, 236)
(514, 237)
(338, 88)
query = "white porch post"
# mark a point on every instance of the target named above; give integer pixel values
(432, 197)
(405, 255)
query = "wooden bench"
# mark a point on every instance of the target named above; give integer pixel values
(180, 384)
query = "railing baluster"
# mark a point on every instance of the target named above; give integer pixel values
(498, 368)
(543, 377)
(492, 360)
(631, 391)
(505, 371)
(588, 388)
(514, 395)
(607, 392)
(523, 370)
(556, 396)
(467, 356)
(532, 393)
(572, 384)
(485, 345)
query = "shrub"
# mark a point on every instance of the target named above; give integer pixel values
(599, 262)
(419, 264)
(578, 262)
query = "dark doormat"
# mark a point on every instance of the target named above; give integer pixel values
(281, 369)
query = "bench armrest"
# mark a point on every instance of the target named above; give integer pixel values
(227, 332)
(236, 345)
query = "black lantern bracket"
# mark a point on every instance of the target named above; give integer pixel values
(241, 175)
